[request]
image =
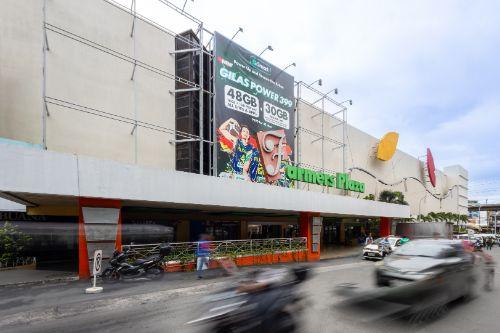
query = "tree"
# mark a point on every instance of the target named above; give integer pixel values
(12, 243)
(387, 196)
(392, 197)
(369, 197)
(400, 198)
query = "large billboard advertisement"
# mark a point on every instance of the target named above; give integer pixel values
(254, 116)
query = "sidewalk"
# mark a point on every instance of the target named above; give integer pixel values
(337, 252)
(24, 277)
(27, 277)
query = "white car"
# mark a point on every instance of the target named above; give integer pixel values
(394, 242)
(376, 250)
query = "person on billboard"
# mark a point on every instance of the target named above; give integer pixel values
(243, 147)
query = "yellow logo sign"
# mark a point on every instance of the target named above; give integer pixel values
(387, 146)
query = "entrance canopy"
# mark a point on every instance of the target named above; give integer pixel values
(36, 177)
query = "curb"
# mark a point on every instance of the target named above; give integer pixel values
(40, 282)
(342, 257)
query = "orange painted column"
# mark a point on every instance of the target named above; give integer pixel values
(83, 259)
(385, 226)
(305, 230)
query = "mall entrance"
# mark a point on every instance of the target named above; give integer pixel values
(341, 236)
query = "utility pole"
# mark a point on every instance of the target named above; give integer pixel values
(496, 223)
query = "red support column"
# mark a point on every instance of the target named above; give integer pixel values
(385, 226)
(83, 259)
(305, 230)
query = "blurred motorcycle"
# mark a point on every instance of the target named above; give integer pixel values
(267, 301)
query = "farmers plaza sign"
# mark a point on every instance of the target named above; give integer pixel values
(340, 180)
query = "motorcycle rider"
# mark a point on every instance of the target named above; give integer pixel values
(263, 279)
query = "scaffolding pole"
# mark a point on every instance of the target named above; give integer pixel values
(200, 122)
(45, 110)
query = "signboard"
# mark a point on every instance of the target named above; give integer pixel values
(97, 267)
(431, 169)
(96, 270)
(387, 146)
(254, 116)
(340, 180)
(317, 223)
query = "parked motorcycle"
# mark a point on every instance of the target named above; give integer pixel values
(149, 268)
(267, 302)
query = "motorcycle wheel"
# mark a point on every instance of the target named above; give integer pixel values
(155, 273)
(223, 329)
(284, 322)
(110, 276)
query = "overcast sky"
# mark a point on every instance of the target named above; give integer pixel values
(426, 69)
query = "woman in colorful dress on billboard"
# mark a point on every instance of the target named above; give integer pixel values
(242, 146)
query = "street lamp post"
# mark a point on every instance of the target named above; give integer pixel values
(347, 101)
(269, 47)
(319, 81)
(240, 29)
(284, 69)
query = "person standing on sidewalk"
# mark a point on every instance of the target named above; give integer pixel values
(202, 255)
(369, 239)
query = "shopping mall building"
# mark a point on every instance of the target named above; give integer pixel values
(109, 135)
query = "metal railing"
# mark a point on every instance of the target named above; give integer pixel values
(186, 252)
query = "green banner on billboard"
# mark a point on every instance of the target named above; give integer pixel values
(254, 116)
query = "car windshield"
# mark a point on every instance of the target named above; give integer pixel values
(393, 241)
(420, 249)
(377, 241)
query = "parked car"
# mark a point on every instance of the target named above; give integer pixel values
(378, 249)
(394, 242)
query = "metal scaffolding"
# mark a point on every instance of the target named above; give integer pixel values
(339, 114)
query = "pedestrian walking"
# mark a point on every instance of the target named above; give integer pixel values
(489, 243)
(369, 239)
(202, 255)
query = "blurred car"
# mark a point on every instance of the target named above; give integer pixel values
(377, 250)
(417, 282)
(429, 269)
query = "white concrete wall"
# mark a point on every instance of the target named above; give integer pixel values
(21, 70)
(80, 74)
(361, 152)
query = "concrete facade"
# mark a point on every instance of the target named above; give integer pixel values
(68, 177)
(97, 101)
(449, 195)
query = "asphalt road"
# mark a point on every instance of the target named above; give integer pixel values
(165, 306)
